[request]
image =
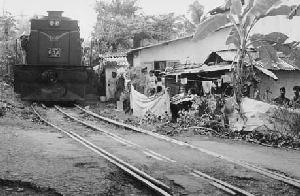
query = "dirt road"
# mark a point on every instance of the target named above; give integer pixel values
(282, 160)
(37, 160)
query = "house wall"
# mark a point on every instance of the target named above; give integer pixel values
(287, 79)
(195, 51)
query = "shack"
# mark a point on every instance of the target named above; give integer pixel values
(108, 64)
(216, 73)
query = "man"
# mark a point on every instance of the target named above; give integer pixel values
(282, 100)
(120, 86)
(24, 45)
(151, 83)
(112, 86)
(126, 98)
(296, 99)
(143, 81)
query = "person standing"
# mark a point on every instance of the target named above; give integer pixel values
(257, 94)
(282, 100)
(112, 86)
(151, 83)
(143, 81)
(120, 86)
(296, 99)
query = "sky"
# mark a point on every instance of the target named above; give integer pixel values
(83, 10)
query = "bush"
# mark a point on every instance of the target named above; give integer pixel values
(286, 121)
(2, 111)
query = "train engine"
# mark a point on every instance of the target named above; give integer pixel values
(52, 69)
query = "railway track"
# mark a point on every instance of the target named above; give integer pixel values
(268, 173)
(226, 187)
(139, 175)
(149, 181)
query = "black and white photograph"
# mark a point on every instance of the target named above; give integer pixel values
(149, 97)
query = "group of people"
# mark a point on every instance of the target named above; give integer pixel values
(149, 84)
(283, 100)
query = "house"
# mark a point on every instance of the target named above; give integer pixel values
(217, 68)
(178, 51)
(108, 64)
(288, 77)
(187, 51)
(191, 77)
(271, 77)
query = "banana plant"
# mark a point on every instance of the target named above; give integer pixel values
(242, 15)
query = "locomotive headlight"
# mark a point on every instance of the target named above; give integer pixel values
(51, 23)
(56, 23)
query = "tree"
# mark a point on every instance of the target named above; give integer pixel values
(8, 32)
(243, 15)
(113, 19)
(196, 10)
(126, 8)
(169, 26)
(22, 25)
(119, 27)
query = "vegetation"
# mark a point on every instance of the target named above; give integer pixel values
(7, 33)
(243, 15)
(119, 26)
(10, 29)
(197, 11)
(286, 122)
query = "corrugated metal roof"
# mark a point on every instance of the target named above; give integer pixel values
(267, 72)
(213, 68)
(203, 68)
(185, 71)
(230, 55)
(280, 65)
(227, 55)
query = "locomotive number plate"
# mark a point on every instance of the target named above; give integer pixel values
(54, 52)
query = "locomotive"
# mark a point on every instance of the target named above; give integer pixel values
(52, 69)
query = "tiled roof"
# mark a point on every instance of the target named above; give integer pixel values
(115, 58)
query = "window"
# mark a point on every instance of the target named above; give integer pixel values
(160, 65)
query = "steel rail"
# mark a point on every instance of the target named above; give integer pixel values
(265, 172)
(141, 173)
(117, 138)
(230, 189)
(157, 186)
(221, 183)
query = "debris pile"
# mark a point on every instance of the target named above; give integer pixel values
(267, 137)
(10, 102)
